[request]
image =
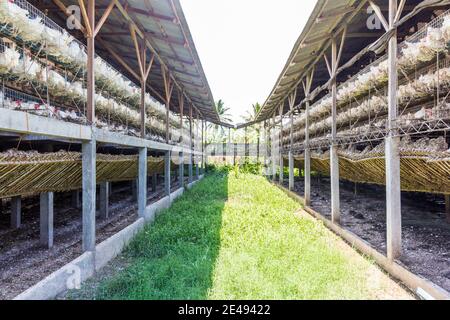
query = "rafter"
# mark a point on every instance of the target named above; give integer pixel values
(104, 17)
(87, 24)
(379, 14)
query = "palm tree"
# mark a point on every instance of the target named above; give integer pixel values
(251, 116)
(224, 116)
(223, 113)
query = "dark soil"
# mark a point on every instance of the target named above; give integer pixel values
(425, 231)
(24, 262)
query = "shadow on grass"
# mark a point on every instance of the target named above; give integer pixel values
(174, 257)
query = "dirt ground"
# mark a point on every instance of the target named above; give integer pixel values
(24, 262)
(425, 231)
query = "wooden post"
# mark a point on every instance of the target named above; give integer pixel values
(90, 61)
(393, 191)
(143, 114)
(168, 87)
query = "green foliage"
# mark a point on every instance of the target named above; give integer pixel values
(252, 167)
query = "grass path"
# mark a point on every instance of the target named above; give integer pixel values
(237, 238)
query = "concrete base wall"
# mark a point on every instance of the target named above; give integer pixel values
(113, 246)
(84, 267)
(69, 276)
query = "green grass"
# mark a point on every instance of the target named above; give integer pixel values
(236, 237)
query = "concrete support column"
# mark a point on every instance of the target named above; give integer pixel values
(281, 144)
(134, 184)
(393, 198)
(307, 173)
(190, 168)
(142, 182)
(89, 147)
(447, 207)
(76, 203)
(334, 160)
(197, 170)
(46, 219)
(275, 152)
(291, 170)
(16, 212)
(291, 139)
(335, 201)
(104, 200)
(392, 153)
(167, 173)
(265, 149)
(181, 169)
(154, 182)
(89, 188)
(203, 147)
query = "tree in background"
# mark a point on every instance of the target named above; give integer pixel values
(253, 130)
(217, 132)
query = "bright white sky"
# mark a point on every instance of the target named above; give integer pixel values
(244, 44)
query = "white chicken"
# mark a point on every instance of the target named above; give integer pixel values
(9, 59)
(33, 30)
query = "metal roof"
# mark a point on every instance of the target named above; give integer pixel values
(328, 19)
(165, 27)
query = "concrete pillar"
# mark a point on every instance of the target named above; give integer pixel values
(291, 171)
(307, 159)
(46, 219)
(197, 170)
(134, 186)
(335, 201)
(190, 168)
(307, 173)
(167, 173)
(16, 212)
(142, 182)
(274, 151)
(154, 181)
(89, 147)
(392, 153)
(393, 198)
(76, 204)
(181, 172)
(89, 188)
(447, 207)
(104, 200)
(334, 160)
(281, 168)
(265, 149)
